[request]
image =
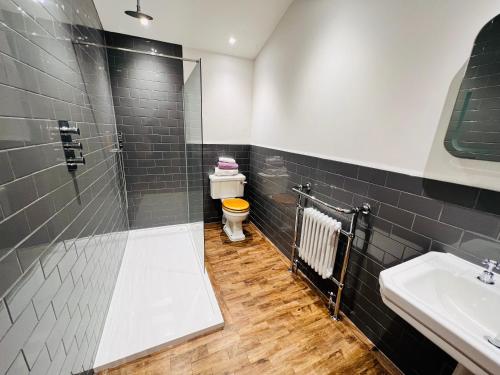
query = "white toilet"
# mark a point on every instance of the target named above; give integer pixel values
(234, 209)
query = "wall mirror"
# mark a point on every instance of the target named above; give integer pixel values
(474, 128)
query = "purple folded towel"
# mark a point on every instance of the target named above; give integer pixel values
(224, 165)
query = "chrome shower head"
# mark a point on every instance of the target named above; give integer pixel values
(145, 18)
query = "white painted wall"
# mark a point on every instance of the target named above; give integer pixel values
(227, 96)
(363, 81)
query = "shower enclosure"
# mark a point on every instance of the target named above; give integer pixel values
(72, 274)
(162, 294)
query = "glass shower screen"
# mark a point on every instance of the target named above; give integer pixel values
(194, 154)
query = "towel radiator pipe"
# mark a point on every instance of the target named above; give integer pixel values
(303, 192)
(294, 265)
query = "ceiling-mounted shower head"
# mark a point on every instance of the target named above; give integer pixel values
(143, 17)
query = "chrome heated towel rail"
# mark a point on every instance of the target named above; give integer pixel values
(303, 195)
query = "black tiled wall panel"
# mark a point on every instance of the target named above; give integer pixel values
(196, 180)
(410, 216)
(62, 234)
(211, 153)
(148, 100)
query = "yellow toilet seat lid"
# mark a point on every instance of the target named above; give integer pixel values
(235, 204)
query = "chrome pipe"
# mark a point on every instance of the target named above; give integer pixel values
(343, 272)
(324, 204)
(150, 53)
(293, 264)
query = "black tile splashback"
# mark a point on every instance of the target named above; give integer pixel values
(147, 95)
(211, 153)
(62, 234)
(410, 216)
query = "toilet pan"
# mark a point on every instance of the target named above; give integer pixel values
(235, 211)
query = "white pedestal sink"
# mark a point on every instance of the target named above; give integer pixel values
(439, 294)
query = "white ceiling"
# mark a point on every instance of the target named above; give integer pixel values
(202, 24)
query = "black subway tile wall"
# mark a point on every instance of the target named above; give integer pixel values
(195, 176)
(211, 154)
(410, 216)
(147, 94)
(62, 234)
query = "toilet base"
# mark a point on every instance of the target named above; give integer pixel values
(234, 236)
(233, 224)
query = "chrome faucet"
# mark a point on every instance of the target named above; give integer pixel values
(488, 277)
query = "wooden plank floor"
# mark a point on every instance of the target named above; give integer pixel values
(275, 323)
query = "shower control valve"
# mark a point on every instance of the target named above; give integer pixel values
(69, 145)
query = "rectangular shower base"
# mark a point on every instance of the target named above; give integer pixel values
(163, 296)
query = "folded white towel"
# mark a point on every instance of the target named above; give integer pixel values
(226, 172)
(226, 160)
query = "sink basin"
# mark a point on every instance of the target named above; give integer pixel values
(439, 294)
